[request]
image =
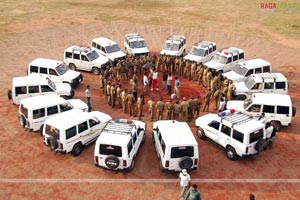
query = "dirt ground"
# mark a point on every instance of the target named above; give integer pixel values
(30, 171)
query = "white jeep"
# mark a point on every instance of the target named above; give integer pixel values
(244, 69)
(239, 134)
(201, 52)
(225, 59)
(85, 58)
(135, 45)
(261, 83)
(174, 46)
(70, 131)
(175, 145)
(118, 144)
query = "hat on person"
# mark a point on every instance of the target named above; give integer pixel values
(184, 98)
(184, 172)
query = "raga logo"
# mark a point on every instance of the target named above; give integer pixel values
(268, 5)
(272, 6)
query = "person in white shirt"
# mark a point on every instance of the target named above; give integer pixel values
(185, 179)
(88, 96)
(154, 80)
(145, 82)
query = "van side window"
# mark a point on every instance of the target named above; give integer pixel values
(238, 136)
(68, 55)
(258, 70)
(43, 70)
(241, 56)
(268, 109)
(229, 60)
(82, 127)
(76, 56)
(33, 89)
(129, 147)
(92, 122)
(283, 110)
(280, 85)
(103, 49)
(269, 86)
(38, 113)
(52, 110)
(52, 72)
(210, 50)
(214, 124)
(98, 46)
(266, 69)
(258, 86)
(250, 71)
(214, 47)
(71, 132)
(34, 69)
(94, 44)
(226, 130)
(21, 90)
(235, 57)
(84, 58)
(46, 88)
(254, 108)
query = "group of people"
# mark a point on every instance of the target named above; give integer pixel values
(147, 69)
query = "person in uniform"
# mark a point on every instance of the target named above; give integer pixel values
(217, 96)
(200, 74)
(184, 109)
(118, 95)
(208, 79)
(160, 108)
(124, 103)
(140, 106)
(191, 108)
(108, 92)
(130, 102)
(169, 109)
(101, 82)
(134, 90)
(193, 71)
(207, 98)
(177, 87)
(112, 95)
(205, 71)
(231, 88)
(177, 110)
(151, 107)
(197, 104)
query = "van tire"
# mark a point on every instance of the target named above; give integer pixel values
(9, 95)
(77, 149)
(201, 133)
(72, 66)
(112, 161)
(96, 70)
(260, 145)
(41, 129)
(276, 124)
(22, 121)
(231, 153)
(53, 143)
(186, 162)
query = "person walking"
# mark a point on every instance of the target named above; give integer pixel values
(88, 96)
(184, 179)
(193, 193)
(177, 87)
(160, 108)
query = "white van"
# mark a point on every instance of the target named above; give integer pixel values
(70, 131)
(246, 68)
(175, 145)
(118, 144)
(174, 46)
(202, 52)
(55, 70)
(277, 107)
(108, 48)
(135, 45)
(35, 110)
(261, 83)
(30, 86)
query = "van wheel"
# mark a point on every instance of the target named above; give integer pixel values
(131, 166)
(22, 121)
(240, 97)
(231, 153)
(185, 163)
(261, 144)
(96, 70)
(112, 162)
(77, 149)
(9, 95)
(144, 139)
(52, 143)
(72, 66)
(276, 125)
(200, 133)
(41, 130)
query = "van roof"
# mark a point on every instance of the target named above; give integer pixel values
(227, 52)
(271, 99)
(78, 48)
(29, 80)
(268, 77)
(134, 37)
(103, 41)
(204, 44)
(175, 133)
(42, 101)
(175, 39)
(44, 62)
(254, 63)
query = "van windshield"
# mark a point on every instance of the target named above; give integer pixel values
(179, 152)
(61, 69)
(137, 44)
(93, 55)
(220, 59)
(112, 48)
(110, 150)
(249, 82)
(52, 131)
(239, 69)
(198, 52)
(171, 46)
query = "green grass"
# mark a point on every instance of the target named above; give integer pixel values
(219, 15)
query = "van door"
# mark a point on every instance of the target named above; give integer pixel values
(131, 153)
(84, 63)
(283, 114)
(19, 93)
(33, 91)
(84, 134)
(45, 89)
(254, 110)
(268, 87)
(212, 130)
(53, 75)
(224, 135)
(269, 111)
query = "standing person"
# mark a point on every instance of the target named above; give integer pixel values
(164, 80)
(140, 106)
(197, 103)
(193, 193)
(145, 82)
(134, 90)
(88, 96)
(169, 83)
(119, 98)
(160, 108)
(154, 80)
(150, 77)
(184, 179)
(216, 95)
(231, 88)
(130, 101)
(124, 103)
(207, 98)
(151, 107)
(222, 106)
(184, 109)
(177, 110)
(177, 87)
(191, 109)
(112, 95)
(169, 109)
(108, 92)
